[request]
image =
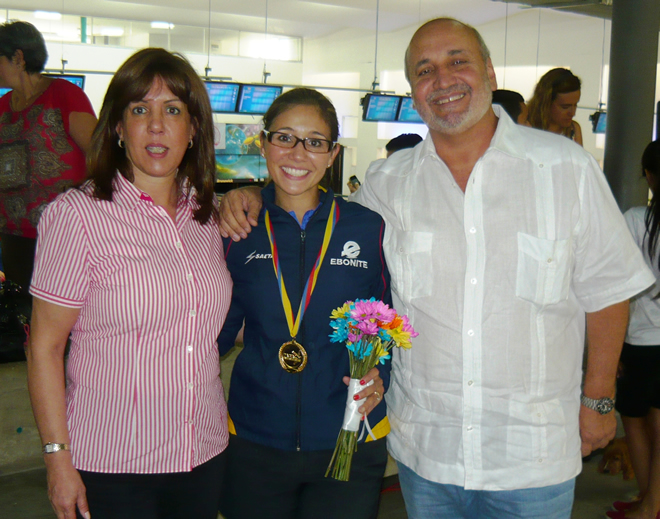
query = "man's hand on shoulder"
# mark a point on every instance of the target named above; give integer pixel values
(239, 210)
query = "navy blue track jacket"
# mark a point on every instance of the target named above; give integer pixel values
(299, 411)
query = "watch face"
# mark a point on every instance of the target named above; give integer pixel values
(604, 405)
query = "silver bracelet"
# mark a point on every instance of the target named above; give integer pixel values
(51, 447)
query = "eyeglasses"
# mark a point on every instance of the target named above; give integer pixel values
(311, 144)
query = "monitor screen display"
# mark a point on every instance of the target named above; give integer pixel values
(223, 96)
(77, 80)
(601, 123)
(256, 99)
(379, 107)
(238, 155)
(3, 91)
(407, 114)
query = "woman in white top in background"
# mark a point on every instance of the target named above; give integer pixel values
(638, 386)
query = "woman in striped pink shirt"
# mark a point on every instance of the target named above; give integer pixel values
(131, 265)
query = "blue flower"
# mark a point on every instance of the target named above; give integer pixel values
(384, 335)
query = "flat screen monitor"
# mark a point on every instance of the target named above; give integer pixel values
(223, 96)
(239, 159)
(599, 121)
(602, 123)
(77, 80)
(3, 91)
(256, 99)
(379, 107)
(407, 114)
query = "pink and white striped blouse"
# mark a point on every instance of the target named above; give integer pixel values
(143, 388)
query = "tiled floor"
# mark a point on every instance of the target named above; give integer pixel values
(23, 495)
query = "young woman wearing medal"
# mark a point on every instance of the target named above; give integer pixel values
(309, 254)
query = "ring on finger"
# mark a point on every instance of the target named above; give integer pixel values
(377, 395)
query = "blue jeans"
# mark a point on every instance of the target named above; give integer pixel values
(429, 500)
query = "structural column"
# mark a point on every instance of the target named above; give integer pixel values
(631, 97)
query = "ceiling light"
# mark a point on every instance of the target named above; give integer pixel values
(112, 31)
(47, 15)
(162, 25)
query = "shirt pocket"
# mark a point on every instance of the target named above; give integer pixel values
(411, 264)
(543, 275)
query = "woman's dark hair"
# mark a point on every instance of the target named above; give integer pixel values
(131, 83)
(511, 102)
(554, 82)
(25, 37)
(651, 166)
(403, 141)
(307, 97)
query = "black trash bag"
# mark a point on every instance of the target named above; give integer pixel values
(14, 322)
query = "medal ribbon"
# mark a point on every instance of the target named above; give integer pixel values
(294, 322)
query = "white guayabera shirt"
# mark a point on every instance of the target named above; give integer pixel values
(497, 281)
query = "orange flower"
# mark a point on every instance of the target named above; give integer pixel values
(395, 323)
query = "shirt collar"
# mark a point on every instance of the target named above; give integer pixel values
(127, 195)
(509, 138)
(268, 196)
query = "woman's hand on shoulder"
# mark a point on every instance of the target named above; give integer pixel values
(66, 490)
(234, 222)
(373, 393)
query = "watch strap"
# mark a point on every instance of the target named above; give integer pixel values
(600, 405)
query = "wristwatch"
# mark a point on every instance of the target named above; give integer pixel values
(51, 447)
(602, 405)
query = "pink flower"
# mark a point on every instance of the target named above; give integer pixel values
(363, 311)
(372, 309)
(354, 337)
(407, 327)
(368, 327)
(383, 312)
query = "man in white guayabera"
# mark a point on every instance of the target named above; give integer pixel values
(505, 246)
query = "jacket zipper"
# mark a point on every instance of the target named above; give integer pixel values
(301, 341)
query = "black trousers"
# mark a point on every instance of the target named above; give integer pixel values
(177, 495)
(264, 482)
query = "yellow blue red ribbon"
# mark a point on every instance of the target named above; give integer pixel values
(294, 322)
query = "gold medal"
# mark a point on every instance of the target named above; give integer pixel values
(293, 357)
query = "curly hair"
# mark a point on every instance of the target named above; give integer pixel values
(131, 83)
(554, 82)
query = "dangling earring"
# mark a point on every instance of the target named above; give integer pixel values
(120, 143)
(190, 144)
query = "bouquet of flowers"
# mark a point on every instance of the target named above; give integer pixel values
(370, 329)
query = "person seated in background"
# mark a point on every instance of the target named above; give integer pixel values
(47, 126)
(513, 104)
(553, 105)
(402, 142)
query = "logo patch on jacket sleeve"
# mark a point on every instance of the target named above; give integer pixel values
(349, 256)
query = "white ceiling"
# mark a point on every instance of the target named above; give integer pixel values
(304, 18)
